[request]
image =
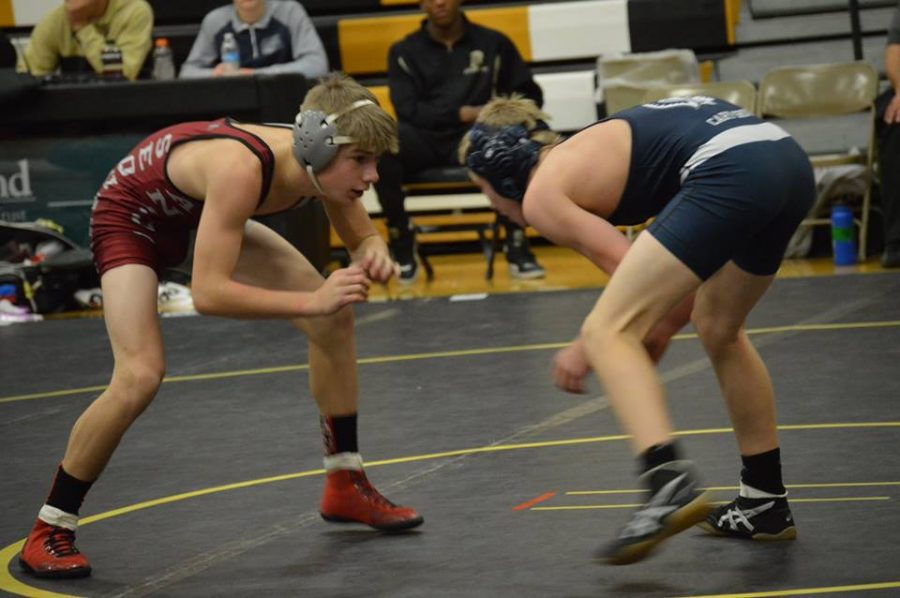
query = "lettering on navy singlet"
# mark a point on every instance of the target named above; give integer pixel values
(665, 135)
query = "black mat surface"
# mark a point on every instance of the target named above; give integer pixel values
(460, 420)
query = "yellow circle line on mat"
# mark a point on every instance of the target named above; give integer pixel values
(436, 355)
(10, 584)
(807, 591)
(715, 502)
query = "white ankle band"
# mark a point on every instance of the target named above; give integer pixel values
(54, 516)
(343, 461)
(751, 492)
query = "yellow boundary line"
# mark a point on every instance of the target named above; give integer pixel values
(714, 502)
(864, 587)
(732, 488)
(10, 584)
(440, 355)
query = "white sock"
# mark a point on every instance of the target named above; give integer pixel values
(343, 461)
(751, 492)
(59, 518)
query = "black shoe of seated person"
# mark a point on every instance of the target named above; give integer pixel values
(522, 262)
(403, 248)
(891, 257)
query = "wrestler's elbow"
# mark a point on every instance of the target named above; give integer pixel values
(206, 300)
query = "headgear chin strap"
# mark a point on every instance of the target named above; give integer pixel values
(504, 156)
(316, 139)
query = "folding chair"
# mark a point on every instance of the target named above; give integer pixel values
(623, 79)
(741, 93)
(824, 91)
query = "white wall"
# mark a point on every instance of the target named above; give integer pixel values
(29, 12)
(578, 29)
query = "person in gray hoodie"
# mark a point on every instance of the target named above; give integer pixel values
(274, 36)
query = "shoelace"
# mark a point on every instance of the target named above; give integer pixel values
(61, 542)
(372, 495)
(736, 515)
(733, 518)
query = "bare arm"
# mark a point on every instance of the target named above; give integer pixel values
(367, 248)
(351, 223)
(892, 69)
(565, 223)
(892, 65)
(561, 220)
(232, 183)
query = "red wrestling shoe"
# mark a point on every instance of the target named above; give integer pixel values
(350, 498)
(50, 551)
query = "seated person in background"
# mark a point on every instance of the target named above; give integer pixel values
(14, 87)
(273, 37)
(80, 29)
(439, 77)
(888, 125)
(7, 52)
(727, 191)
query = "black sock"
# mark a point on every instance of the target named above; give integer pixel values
(339, 434)
(658, 454)
(67, 493)
(763, 471)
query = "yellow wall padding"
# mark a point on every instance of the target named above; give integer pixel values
(364, 42)
(512, 21)
(732, 16)
(707, 71)
(7, 19)
(383, 95)
(398, 2)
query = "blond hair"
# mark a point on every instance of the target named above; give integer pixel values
(372, 129)
(505, 111)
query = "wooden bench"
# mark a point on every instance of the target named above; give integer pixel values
(448, 227)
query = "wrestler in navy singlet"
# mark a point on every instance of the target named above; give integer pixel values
(722, 183)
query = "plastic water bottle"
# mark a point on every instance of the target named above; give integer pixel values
(111, 57)
(9, 292)
(231, 54)
(842, 241)
(163, 65)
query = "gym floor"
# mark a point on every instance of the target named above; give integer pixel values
(214, 490)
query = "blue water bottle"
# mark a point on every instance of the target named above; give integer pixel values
(8, 292)
(842, 242)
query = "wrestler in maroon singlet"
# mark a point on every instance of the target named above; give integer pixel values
(140, 216)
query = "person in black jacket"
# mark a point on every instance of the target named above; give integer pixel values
(7, 53)
(439, 78)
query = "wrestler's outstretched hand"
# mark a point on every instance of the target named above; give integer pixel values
(378, 265)
(571, 367)
(342, 287)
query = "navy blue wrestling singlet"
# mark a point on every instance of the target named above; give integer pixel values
(722, 183)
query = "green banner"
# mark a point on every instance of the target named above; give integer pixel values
(57, 178)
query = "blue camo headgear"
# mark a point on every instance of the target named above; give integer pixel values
(504, 156)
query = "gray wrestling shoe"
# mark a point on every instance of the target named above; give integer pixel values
(676, 505)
